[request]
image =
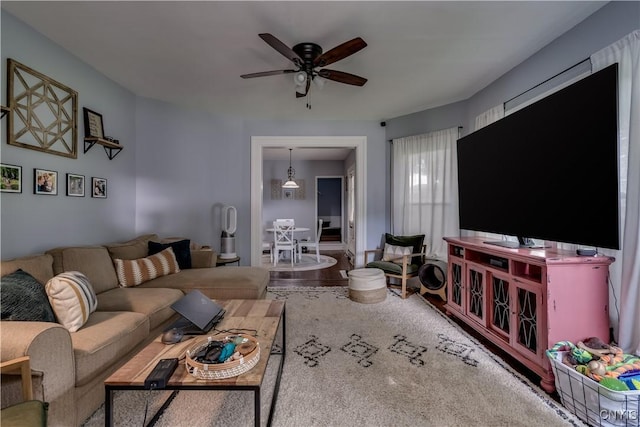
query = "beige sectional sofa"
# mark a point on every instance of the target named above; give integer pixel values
(70, 367)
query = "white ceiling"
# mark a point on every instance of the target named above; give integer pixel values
(420, 54)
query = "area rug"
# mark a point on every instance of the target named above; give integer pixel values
(394, 363)
(307, 262)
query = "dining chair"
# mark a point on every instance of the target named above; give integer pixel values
(313, 243)
(283, 239)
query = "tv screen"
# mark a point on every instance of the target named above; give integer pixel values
(548, 171)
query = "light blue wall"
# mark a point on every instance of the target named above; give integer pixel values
(191, 163)
(32, 223)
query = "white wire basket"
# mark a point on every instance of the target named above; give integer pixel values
(591, 402)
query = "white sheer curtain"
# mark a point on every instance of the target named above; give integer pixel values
(625, 272)
(425, 188)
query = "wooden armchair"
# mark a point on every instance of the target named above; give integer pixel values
(29, 413)
(400, 259)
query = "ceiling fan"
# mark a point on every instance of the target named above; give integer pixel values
(307, 57)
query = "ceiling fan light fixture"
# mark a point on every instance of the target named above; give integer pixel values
(319, 82)
(300, 78)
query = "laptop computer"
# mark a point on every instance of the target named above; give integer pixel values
(199, 313)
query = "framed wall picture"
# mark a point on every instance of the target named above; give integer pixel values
(42, 112)
(93, 127)
(11, 178)
(75, 185)
(98, 188)
(45, 182)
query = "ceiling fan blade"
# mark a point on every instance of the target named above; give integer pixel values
(342, 77)
(266, 73)
(340, 52)
(285, 50)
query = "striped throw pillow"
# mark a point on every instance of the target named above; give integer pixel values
(72, 298)
(136, 271)
(393, 253)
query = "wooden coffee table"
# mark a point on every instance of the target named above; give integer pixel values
(267, 317)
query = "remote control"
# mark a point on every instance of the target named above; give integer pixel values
(159, 377)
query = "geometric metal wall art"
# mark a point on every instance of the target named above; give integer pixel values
(43, 112)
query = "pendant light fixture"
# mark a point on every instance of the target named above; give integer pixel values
(291, 175)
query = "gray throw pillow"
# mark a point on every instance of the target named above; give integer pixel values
(23, 298)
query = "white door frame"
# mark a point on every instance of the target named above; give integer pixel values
(359, 143)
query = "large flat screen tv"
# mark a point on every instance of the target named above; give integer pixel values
(548, 171)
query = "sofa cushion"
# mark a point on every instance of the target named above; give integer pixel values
(152, 302)
(218, 283)
(104, 340)
(39, 266)
(136, 271)
(92, 261)
(23, 298)
(180, 248)
(132, 249)
(72, 299)
(392, 267)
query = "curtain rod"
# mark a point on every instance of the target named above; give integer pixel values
(408, 136)
(545, 81)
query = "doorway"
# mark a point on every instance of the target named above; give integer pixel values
(330, 209)
(258, 143)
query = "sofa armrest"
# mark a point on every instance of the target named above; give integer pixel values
(50, 350)
(203, 258)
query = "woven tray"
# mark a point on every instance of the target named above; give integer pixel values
(217, 371)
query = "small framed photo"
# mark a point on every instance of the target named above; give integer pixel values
(288, 194)
(75, 185)
(93, 127)
(11, 178)
(98, 188)
(45, 182)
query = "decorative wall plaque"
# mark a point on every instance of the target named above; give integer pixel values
(43, 112)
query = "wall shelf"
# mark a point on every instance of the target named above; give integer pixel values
(110, 147)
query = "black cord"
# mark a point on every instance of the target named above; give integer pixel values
(615, 298)
(146, 406)
(252, 332)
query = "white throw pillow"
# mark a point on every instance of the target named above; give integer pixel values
(72, 298)
(394, 253)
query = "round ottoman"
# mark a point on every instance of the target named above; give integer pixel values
(367, 285)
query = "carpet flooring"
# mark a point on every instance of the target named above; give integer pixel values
(394, 363)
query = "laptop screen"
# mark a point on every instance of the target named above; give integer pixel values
(197, 308)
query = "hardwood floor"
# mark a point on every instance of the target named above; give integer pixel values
(331, 277)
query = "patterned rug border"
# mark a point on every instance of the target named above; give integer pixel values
(541, 394)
